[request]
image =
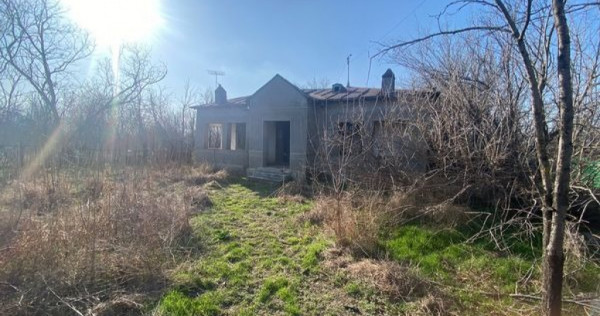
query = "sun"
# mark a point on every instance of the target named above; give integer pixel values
(114, 22)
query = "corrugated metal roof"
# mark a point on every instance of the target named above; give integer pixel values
(351, 93)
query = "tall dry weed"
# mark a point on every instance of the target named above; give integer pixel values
(357, 217)
(355, 222)
(109, 235)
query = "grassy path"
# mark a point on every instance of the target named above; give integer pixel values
(260, 259)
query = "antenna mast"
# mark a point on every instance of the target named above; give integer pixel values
(215, 73)
(348, 64)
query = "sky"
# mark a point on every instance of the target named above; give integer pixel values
(301, 40)
(251, 41)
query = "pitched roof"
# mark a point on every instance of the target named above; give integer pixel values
(279, 77)
(319, 95)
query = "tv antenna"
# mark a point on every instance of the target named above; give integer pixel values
(216, 73)
(348, 64)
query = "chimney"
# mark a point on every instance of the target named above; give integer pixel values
(388, 83)
(220, 95)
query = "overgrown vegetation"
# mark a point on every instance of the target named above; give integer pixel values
(196, 241)
(464, 261)
(89, 241)
(445, 203)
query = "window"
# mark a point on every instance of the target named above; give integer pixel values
(351, 140)
(237, 136)
(215, 136)
(240, 136)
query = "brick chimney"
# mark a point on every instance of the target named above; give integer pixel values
(220, 95)
(388, 83)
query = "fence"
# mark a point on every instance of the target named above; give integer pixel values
(16, 159)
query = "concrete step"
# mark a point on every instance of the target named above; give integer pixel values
(269, 174)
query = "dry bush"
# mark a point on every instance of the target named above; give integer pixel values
(357, 217)
(434, 203)
(317, 215)
(119, 235)
(355, 221)
(198, 199)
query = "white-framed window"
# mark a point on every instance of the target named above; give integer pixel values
(215, 136)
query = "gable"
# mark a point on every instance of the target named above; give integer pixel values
(278, 93)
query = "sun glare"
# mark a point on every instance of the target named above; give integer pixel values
(114, 22)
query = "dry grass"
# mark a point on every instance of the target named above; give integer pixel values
(433, 203)
(203, 174)
(357, 217)
(399, 283)
(355, 222)
(394, 281)
(79, 243)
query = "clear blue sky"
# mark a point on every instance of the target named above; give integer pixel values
(251, 41)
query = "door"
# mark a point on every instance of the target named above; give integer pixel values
(282, 143)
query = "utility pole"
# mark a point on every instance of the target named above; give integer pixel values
(348, 66)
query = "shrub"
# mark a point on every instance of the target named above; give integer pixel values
(356, 222)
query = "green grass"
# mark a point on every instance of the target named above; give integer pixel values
(176, 303)
(444, 255)
(310, 260)
(476, 270)
(259, 259)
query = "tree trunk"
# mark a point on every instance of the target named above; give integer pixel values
(554, 255)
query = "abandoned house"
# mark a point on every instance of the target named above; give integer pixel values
(281, 130)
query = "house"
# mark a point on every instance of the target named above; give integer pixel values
(279, 130)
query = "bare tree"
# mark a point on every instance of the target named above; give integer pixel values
(190, 97)
(534, 36)
(42, 46)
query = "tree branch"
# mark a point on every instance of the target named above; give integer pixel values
(442, 33)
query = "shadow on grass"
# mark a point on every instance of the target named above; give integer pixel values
(262, 188)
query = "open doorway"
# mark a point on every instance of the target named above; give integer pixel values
(277, 143)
